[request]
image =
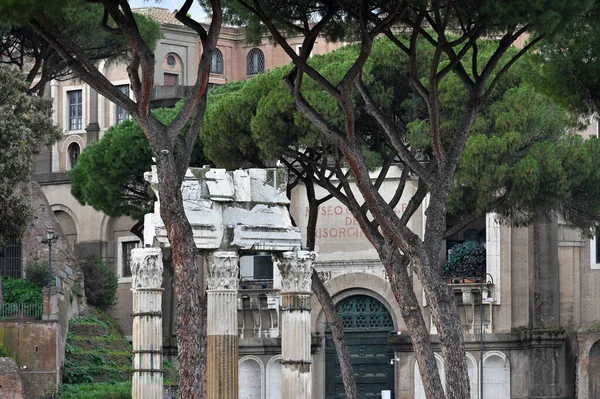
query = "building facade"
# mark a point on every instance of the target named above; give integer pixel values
(539, 315)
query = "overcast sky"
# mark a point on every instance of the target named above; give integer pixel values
(196, 11)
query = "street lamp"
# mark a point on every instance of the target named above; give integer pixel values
(489, 299)
(51, 236)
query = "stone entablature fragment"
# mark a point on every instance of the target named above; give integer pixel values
(246, 209)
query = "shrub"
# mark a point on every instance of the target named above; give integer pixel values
(105, 390)
(466, 260)
(100, 282)
(4, 352)
(16, 290)
(37, 274)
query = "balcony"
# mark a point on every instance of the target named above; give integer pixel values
(168, 96)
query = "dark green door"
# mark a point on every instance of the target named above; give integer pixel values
(367, 324)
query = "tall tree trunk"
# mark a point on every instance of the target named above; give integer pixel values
(441, 302)
(337, 335)
(189, 301)
(396, 267)
(320, 291)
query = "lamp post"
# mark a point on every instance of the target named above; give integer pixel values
(488, 298)
(51, 236)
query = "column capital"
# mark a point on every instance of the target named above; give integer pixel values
(223, 270)
(296, 269)
(146, 268)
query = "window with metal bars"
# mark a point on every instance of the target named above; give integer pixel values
(216, 65)
(255, 62)
(75, 109)
(73, 152)
(120, 113)
(11, 260)
(127, 246)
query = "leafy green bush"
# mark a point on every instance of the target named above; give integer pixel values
(100, 282)
(4, 352)
(105, 390)
(16, 290)
(466, 260)
(37, 274)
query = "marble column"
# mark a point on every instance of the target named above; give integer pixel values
(222, 326)
(146, 282)
(296, 371)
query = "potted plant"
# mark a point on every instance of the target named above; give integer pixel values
(465, 263)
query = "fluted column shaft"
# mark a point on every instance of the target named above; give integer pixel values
(222, 334)
(146, 281)
(296, 364)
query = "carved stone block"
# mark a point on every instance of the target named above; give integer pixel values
(223, 270)
(146, 268)
(296, 269)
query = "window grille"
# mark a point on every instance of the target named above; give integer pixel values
(127, 246)
(73, 152)
(75, 110)
(255, 62)
(11, 260)
(171, 61)
(120, 113)
(361, 312)
(216, 66)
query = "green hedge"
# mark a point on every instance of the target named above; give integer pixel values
(103, 390)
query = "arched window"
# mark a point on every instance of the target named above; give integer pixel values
(172, 70)
(255, 62)
(216, 65)
(496, 376)
(274, 378)
(419, 390)
(73, 152)
(250, 379)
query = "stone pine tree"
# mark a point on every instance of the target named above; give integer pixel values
(39, 62)
(453, 30)
(171, 144)
(518, 134)
(572, 64)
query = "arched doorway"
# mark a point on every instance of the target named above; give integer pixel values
(594, 371)
(367, 324)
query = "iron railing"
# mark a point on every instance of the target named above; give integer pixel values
(21, 311)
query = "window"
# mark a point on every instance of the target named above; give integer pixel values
(75, 110)
(255, 62)
(171, 61)
(11, 260)
(73, 152)
(120, 113)
(595, 250)
(125, 245)
(171, 79)
(216, 65)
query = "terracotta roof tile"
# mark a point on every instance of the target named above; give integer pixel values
(161, 15)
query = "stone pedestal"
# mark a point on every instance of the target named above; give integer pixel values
(222, 326)
(296, 371)
(146, 281)
(50, 307)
